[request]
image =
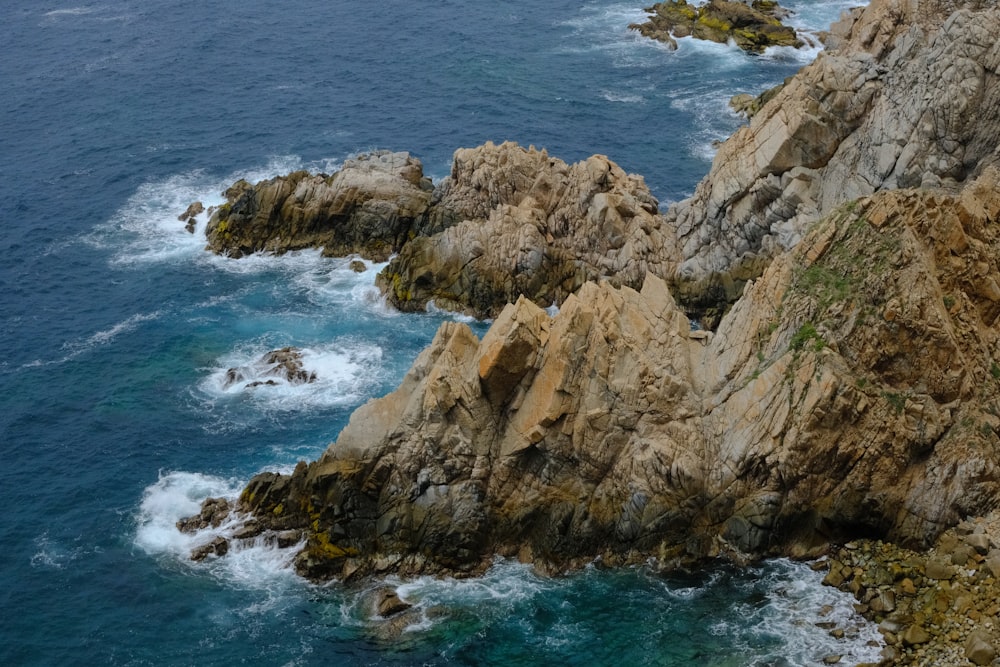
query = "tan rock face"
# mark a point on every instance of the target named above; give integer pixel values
(369, 207)
(907, 95)
(522, 223)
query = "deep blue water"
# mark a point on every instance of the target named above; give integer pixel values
(117, 326)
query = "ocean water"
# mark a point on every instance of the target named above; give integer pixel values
(118, 328)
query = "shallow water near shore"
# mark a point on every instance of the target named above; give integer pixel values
(119, 328)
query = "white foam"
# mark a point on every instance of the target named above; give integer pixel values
(146, 228)
(176, 495)
(75, 348)
(797, 601)
(53, 555)
(433, 309)
(345, 370)
(71, 11)
(624, 98)
(497, 592)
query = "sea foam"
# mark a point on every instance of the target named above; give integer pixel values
(254, 563)
(344, 369)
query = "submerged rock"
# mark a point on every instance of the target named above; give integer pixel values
(284, 364)
(752, 26)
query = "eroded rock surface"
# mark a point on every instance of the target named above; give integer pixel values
(518, 222)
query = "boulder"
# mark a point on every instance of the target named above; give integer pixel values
(218, 547)
(213, 512)
(368, 208)
(979, 648)
(189, 215)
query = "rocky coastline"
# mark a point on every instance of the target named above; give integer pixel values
(939, 606)
(803, 354)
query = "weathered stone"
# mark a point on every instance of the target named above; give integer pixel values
(386, 602)
(213, 512)
(938, 569)
(978, 541)
(528, 225)
(915, 634)
(979, 648)
(288, 538)
(217, 547)
(993, 563)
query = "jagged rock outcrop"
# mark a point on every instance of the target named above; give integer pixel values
(528, 224)
(851, 390)
(369, 208)
(908, 93)
(751, 26)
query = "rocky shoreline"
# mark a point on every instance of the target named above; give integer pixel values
(939, 606)
(806, 352)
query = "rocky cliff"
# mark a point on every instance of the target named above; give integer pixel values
(851, 389)
(907, 94)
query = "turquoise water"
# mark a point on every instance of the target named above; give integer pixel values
(118, 327)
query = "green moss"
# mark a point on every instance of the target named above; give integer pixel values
(826, 284)
(807, 332)
(714, 23)
(897, 401)
(995, 370)
(320, 546)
